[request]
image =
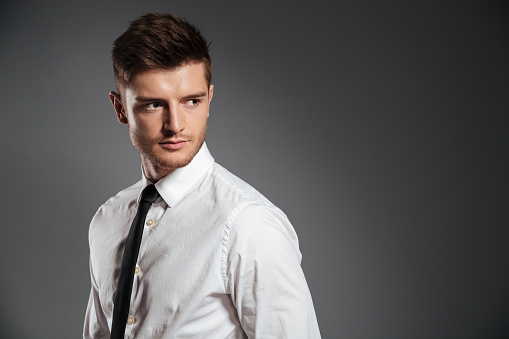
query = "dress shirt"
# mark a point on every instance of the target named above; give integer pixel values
(217, 260)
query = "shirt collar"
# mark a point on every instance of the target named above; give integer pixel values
(173, 186)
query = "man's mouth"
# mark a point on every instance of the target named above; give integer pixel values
(173, 144)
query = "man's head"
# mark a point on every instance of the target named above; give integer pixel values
(163, 72)
(158, 41)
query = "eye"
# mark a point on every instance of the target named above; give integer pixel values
(154, 105)
(192, 102)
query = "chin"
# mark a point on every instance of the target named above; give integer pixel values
(173, 160)
(169, 159)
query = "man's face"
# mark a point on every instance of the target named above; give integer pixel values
(167, 112)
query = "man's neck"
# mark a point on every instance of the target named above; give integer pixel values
(154, 173)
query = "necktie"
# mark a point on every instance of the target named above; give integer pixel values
(131, 250)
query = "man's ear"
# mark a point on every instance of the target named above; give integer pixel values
(119, 107)
(211, 94)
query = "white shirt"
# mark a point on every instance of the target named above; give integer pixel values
(217, 260)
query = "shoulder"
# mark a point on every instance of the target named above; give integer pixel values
(262, 226)
(251, 214)
(231, 189)
(121, 201)
(126, 195)
(257, 220)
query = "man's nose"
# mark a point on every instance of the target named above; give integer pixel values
(174, 119)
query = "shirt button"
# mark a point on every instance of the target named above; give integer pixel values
(130, 320)
(150, 222)
(137, 270)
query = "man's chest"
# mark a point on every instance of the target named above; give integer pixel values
(179, 258)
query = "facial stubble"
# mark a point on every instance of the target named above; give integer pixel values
(170, 159)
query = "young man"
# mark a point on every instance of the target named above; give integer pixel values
(217, 259)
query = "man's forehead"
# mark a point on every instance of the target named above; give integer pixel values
(188, 77)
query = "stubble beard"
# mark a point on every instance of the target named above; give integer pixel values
(168, 159)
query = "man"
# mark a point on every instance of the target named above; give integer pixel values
(217, 259)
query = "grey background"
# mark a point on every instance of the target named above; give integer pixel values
(380, 128)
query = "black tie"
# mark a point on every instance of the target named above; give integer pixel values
(131, 250)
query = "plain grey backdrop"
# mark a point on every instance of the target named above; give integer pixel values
(379, 127)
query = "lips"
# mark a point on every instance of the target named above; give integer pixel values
(173, 144)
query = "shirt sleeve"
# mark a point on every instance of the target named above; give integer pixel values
(265, 278)
(96, 325)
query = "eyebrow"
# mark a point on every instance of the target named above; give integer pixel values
(190, 96)
(195, 95)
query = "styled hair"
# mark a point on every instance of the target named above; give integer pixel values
(158, 41)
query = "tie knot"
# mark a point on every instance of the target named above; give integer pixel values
(149, 194)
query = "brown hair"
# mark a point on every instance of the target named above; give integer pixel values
(158, 41)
